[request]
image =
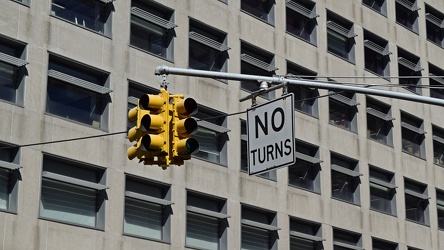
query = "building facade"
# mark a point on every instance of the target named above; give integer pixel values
(368, 171)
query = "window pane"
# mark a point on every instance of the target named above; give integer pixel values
(337, 44)
(301, 244)
(411, 142)
(377, 129)
(8, 82)
(340, 115)
(342, 186)
(380, 198)
(4, 188)
(414, 208)
(143, 219)
(74, 103)
(86, 13)
(205, 58)
(202, 231)
(66, 202)
(302, 174)
(148, 36)
(258, 8)
(209, 142)
(255, 238)
(299, 25)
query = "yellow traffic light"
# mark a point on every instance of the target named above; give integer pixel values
(182, 127)
(152, 129)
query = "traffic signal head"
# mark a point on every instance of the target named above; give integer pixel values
(151, 128)
(183, 127)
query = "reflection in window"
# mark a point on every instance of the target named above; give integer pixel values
(382, 191)
(263, 9)
(413, 135)
(340, 37)
(301, 19)
(416, 202)
(345, 179)
(379, 122)
(407, 14)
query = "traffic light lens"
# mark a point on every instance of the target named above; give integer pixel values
(187, 107)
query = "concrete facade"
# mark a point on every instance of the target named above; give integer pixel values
(29, 123)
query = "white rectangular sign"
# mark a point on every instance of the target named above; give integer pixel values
(271, 142)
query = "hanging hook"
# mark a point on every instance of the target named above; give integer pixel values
(164, 82)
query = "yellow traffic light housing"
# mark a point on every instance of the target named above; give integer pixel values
(182, 127)
(152, 129)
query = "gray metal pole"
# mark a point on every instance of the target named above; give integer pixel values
(307, 83)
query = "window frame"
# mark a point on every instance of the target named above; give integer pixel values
(162, 18)
(382, 182)
(440, 208)
(311, 105)
(340, 32)
(409, 65)
(271, 175)
(381, 9)
(256, 61)
(438, 145)
(13, 55)
(418, 192)
(302, 12)
(151, 193)
(307, 155)
(106, 9)
(434, 26)
(376, 50)
(379, 113)
(84, 80)
(307, 231)
(379, 244)
(266, 14)
(259, 219)
(209, 207)
(412, 126)
(10, 155)
(216, 125)
(94, 180)
(214, 42)
(343, 104)
(345, 170)
(345, 239)
(404, 9)
(435, 80)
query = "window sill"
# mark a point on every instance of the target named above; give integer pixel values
(342, 58)
(12, 103)
(300, 38)
(303, 189)
(343, 128)
(416, 156)
(380, 142)
(259, 175)
(212, 162)
(380, 13)
(417, 223)
(345, 201)
(80, 26)
(71, 224)
(382, 212)
(151, 54)
(21, 3)
(378, 75)
(437, 44)
(308, 114)
(411, 30)
(75, 122)
(146, 238)
(258, 18)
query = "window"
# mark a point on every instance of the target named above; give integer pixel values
(258, 229)
(152, 28)
(255, 61)
(73, 192)
(407, 14)
(340, 37)
(343, 110)
(379, 6)
(408, 67)
(12, 70)
(77, 93)
(379, 122)
(147, 209)
(94, 15)
(434, 25)
(305, 235)
(382, 191)
(345, 240)
(376, 54)
(9, 176)
(244, 154)
(440, 208)
(438, 145)
(416, 202)
(436, 82)
(25, 2)
(305, 173)
(345, 179)
(262, 9)
(206, 222)
(135, 91)
(301, 20)
(413, 135)
(208, 49)
(306, 99)
(383, 245)
(212, 136)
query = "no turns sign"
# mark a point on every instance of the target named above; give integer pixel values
(271, 142)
